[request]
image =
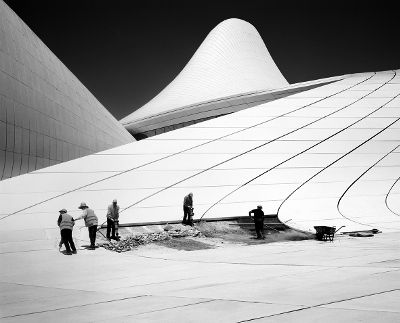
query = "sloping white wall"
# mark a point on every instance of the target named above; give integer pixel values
(46, 115)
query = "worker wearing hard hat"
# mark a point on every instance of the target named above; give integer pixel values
(112, 219)
(66, 224)
(91, 222)
(258, 217)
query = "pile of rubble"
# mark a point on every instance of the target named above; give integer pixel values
(179, 231)
(135, 240)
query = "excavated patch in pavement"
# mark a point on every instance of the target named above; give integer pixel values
(203, 235)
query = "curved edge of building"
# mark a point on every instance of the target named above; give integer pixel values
(232, 61)
(47, 115)
(185, 116)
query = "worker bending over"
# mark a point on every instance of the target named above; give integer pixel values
(91, 222)
(66, 224)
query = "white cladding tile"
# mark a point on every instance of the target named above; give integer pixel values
(36, 88)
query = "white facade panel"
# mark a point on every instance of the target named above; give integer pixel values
(44, 104)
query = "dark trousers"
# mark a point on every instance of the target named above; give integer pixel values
(92, 235)
(259, 225)
(186, 214)
(110, 228)
(66, 237)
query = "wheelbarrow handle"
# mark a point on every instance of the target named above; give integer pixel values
(340, 228)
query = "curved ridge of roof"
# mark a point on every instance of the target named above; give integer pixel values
(232, 59)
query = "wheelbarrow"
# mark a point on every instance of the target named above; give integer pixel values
(325, 233)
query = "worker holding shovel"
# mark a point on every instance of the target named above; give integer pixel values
(91, 222)
(112, 220)
(258, 217)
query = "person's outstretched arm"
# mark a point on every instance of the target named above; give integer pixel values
(82, 216)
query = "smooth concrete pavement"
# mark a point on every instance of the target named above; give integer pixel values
(349, 280)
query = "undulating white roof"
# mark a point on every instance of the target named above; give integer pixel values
(327, 156)
(232, 60)
(178, 118)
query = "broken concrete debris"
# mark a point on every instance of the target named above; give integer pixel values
(135, 240)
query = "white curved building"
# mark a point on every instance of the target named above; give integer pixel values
(47, 116)
(326, 156)
(230, 71)
(325, 152)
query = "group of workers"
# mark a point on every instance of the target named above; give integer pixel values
(66, 222)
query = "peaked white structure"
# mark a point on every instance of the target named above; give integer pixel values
(232, 61)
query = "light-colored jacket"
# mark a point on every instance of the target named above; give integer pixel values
(89, 217)
(66, 221)
(113, 212)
